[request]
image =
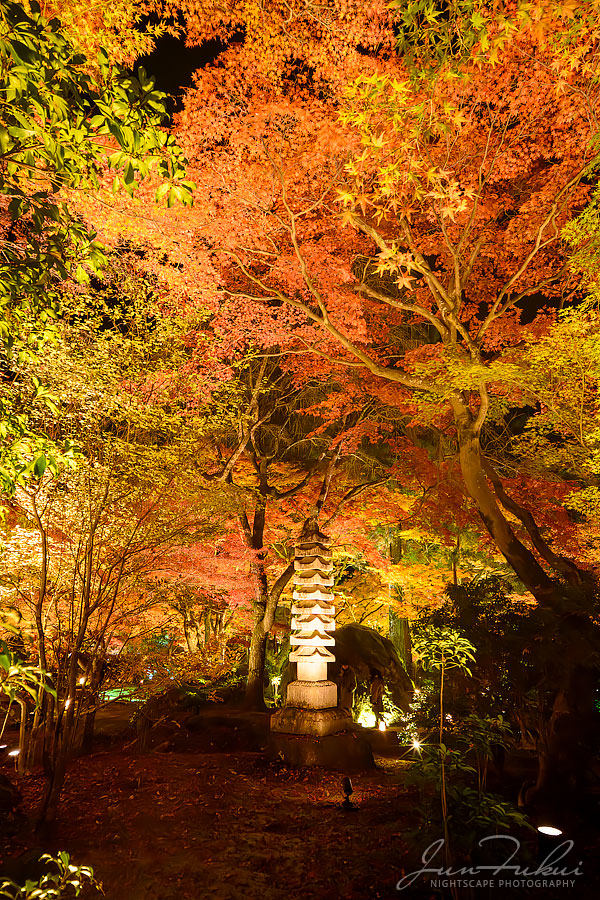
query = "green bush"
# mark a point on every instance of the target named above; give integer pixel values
(61, 881)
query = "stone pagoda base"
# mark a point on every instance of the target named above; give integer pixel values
(345, 751)
(312, 694)
(313, 722)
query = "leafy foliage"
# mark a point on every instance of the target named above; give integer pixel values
(445, 648)
(61, 130)
(17, 677)
(561, 433)
(434, 35)
(66, 881)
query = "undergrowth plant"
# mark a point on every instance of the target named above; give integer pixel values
(443, 764)
(63, 880)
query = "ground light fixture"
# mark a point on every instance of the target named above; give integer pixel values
(382, 726)
(549, 838)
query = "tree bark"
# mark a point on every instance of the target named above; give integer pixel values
(257, 652)
(522, 560)
(566, 744)
(267, 608)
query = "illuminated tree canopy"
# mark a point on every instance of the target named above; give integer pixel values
(350, 284)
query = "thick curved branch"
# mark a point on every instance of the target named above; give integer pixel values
(522, 560)
(318, 507)
(559, 564)
(419, 384)
(440, 327)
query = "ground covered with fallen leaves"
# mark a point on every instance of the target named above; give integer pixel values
(209, 816)
(191, 823)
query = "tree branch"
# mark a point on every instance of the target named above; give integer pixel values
(559, 564)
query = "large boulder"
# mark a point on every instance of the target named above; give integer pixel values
(366, 651)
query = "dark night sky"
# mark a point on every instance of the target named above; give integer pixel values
(173, 64)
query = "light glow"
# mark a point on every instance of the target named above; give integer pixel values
(366, 718)
(550, 829)
(13, 752)
(416, 744)
(382, 726)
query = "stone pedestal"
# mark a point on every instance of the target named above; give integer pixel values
(343, 752)
(315, 722)
(312, 694)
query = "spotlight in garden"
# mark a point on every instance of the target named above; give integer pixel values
(82, 680)
(550, 830)
(416, 744)
(549, 838)
(348, 789)
(382, 726)
(13, 752)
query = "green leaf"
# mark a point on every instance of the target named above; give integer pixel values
(40, 465)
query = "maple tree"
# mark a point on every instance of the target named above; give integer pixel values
(277, 462)
(264, 131)
(455, 196)
(411, 250)
(332, 263)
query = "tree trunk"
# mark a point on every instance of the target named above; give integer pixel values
(522, 560)
(567, 744)
(52, 791)
(254, 698)
(55, 766)
(89, 724)
(265, 608)
(399, 632)
(191, 632)
(24, 715)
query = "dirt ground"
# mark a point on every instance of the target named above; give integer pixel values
(194, 823)
(199, 822)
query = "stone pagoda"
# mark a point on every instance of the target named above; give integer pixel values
(311, 704)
